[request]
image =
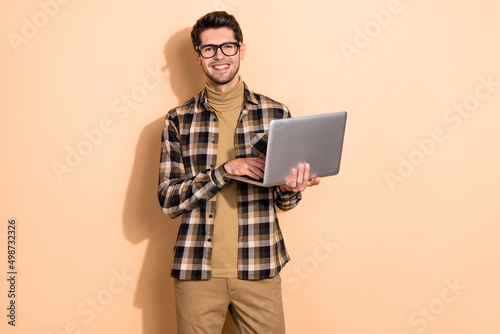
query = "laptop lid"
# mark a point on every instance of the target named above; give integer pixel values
(316, 139)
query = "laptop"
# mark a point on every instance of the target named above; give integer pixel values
(316, 139)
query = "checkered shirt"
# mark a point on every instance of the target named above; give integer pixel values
(190, 179)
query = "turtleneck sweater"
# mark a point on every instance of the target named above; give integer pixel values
(227, 107)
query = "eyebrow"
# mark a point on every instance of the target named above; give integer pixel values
(220, 43)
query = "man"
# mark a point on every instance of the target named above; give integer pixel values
(229, 248)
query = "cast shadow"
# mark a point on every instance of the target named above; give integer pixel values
(143, 219)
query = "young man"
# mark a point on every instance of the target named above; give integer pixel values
(229, 248)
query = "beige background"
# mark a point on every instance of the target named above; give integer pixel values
(402, 241)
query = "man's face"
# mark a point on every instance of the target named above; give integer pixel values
(221, 70)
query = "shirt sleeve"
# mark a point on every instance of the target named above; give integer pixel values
(178, 193)
(286, 200)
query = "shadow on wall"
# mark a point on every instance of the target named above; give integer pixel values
(142, 216)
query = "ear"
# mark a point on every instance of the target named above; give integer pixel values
(197, 57)
(243, 48)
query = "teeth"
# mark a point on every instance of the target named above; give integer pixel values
(220, 67)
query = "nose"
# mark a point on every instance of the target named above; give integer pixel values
(218, 53)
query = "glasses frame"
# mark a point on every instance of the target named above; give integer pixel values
(217, 47)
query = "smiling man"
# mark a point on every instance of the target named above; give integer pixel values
(229, 248)
(220, 69)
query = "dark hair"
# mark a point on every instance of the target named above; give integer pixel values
(214, 20)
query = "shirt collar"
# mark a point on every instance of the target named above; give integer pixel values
(250, 97)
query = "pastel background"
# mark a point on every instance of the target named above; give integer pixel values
(403, 241)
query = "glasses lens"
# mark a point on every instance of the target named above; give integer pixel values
(229, 49)
(208, 51)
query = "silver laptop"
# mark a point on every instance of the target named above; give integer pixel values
(316, 139)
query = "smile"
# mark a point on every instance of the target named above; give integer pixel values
(221, 67)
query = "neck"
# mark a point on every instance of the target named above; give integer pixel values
(228, 101)
(225, 87)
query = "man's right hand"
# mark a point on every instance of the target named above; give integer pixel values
(252, 167)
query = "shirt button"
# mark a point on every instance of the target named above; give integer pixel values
(210, 216)
(215, 119)
(213, 141)
(212, 165)
(209, 240)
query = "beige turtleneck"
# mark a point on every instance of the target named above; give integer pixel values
(227, 106)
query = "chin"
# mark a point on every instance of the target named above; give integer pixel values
(222, 81)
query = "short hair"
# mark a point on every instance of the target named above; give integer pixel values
(214, 20)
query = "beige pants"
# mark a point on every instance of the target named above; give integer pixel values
(255, 306)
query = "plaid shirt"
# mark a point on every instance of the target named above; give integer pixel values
(190, 179)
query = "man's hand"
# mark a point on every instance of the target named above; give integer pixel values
(252, 167)
(299, 179)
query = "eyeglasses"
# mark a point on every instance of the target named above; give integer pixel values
(210, 50)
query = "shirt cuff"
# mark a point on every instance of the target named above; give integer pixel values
(287, 194)
(218, 176)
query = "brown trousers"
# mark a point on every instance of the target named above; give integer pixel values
(255, 306)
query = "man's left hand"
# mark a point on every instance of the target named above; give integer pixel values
(299, 179)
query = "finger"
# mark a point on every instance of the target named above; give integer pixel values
(300, 175)
(313, 182)
(254, 176)
(306, 172)
(304, 179)
(293, 179)
(253, 172)
(259, 174)
(256, 168)
(257, 162)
